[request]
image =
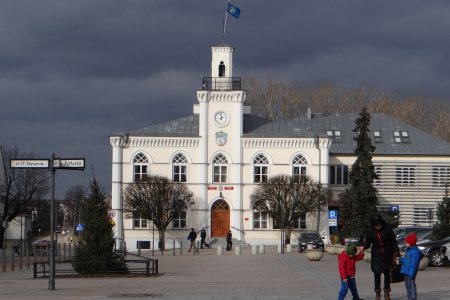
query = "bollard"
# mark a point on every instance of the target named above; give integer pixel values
(262, 249)
(289, 248)
(254, 249)
(237, 250)
(219, 250)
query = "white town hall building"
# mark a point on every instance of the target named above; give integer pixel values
(222, 151)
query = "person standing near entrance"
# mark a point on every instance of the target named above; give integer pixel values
(229, 240)
(203, 237)
(191, 237)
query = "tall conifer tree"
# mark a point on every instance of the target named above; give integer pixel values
(441, 229)
(359, 201)
(96, 252)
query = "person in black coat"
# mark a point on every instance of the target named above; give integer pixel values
(229, 240)
(192, 236)
(203, 239)
(381, 239)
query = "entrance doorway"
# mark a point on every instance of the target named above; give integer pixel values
(220, 218)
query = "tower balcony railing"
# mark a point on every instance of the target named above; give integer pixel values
(221, 83)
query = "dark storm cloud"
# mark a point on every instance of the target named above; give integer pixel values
(74, 72)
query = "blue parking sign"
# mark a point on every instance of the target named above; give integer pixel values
(395, 208)
(332, 214)
(332, 217)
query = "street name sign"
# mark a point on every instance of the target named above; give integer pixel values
(69, 163)
(30, 163)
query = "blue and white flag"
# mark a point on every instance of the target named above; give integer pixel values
(233, 10)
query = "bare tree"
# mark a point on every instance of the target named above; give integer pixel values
(158, 199)
(21, 187)
(280, 101)
(286, 198)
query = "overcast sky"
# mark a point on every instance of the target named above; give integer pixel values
(73, 72)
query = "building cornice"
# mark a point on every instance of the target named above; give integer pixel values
(284, 143)
(162, 142)
(221, 96)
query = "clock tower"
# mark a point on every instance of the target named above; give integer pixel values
(221, 109)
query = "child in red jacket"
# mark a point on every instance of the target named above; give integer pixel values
(347, 260)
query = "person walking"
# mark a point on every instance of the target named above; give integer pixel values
(229, 240)
(381, 239)
(203, 237)
(410, 265)
(347, 260)
(192, 237)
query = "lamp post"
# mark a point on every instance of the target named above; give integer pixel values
(51, 275)
(153, 233)
(317, 144)
(282, 230)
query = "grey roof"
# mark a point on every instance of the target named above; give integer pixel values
(182, 127)
(421, 143)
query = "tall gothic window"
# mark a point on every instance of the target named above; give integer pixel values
(260, 169)
(179, 168)
(299, 164)
(220, 168)
(140, 165)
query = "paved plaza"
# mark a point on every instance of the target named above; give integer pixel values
(228, 276)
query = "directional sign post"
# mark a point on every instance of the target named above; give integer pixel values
(30, 164)
(52, 164)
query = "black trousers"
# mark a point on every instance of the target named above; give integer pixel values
(387, 281)
(203, 243)
(229, 245)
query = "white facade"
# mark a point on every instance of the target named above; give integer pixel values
(217, 140)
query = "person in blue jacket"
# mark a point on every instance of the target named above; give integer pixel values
(410, 265)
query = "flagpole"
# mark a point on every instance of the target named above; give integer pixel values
(225, 23)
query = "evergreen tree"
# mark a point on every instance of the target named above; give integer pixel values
(442, 228)
(96, 252)
(359, 201)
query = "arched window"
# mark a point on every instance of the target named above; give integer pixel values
(220, 168)
(299, 166)
(260, 169)
(221, 69)
(179, 168)
(140, 165)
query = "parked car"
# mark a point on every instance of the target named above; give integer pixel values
(41, 244)
(434, 250)
(401, 232)
(422, 236)
(310, 238)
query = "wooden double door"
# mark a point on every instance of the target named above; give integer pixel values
(220, 219)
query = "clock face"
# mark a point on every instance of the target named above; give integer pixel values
(221, 118)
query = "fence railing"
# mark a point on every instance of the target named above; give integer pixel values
(146, 267)
(38, 257)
